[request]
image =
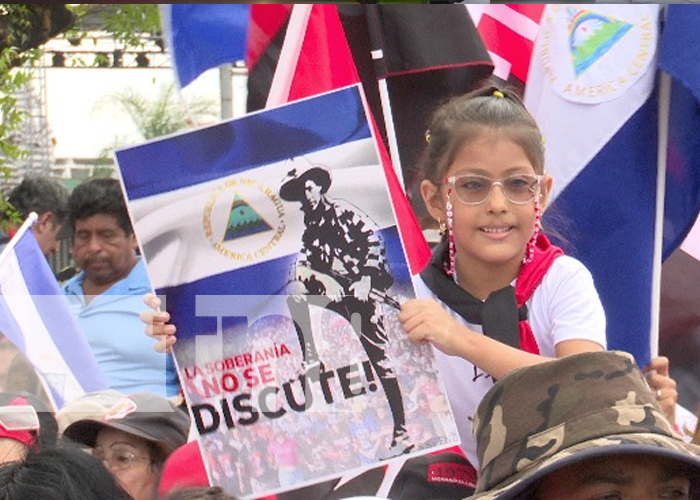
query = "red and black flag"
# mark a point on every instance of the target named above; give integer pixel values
(429, 54)
(509, 33)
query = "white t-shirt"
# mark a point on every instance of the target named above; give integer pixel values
(565, 306)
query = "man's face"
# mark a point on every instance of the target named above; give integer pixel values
(312, 191)
(102, 249)
(617, 477)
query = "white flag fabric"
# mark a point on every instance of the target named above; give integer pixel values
(34, 315)
(592, 87)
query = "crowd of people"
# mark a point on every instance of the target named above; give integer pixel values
(581, 426)
(542, 408)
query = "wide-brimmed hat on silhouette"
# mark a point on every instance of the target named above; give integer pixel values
(295, 183)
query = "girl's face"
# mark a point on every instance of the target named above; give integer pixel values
(496, 231)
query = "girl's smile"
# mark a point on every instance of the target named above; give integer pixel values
(496, 232)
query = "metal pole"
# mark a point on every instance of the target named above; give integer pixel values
(226, 85)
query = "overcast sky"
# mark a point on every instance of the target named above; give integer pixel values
(81, 128)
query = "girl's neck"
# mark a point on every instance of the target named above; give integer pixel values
(481, 280)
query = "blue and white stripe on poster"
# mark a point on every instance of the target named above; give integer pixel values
(283, 214)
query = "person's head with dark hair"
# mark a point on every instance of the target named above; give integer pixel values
(473, 142)
(464, 118)
(99, 196)
(49, 199)
(199, 493)
(59, 473)
(104, 244)
(133, 438)
(26, 423)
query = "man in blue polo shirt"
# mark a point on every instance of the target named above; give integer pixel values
(106, 294)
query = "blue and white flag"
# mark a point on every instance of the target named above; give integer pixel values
(34, 316)
(679, 54)
(202, 36)
(680, 300)
(229, 222)
(592, 89)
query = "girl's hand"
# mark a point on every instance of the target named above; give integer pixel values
(663, 386)
(157, 324)
(426, 320)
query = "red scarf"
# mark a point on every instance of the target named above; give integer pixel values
(503, 315)
(529, 278)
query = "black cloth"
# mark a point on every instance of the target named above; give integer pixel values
(498, 314)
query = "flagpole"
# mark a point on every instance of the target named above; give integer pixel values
(664, 110)
(31, 219)
(380, 69)
(289, 55)
(226, 86)
(389, 121)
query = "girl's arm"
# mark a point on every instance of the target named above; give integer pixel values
(426, 320)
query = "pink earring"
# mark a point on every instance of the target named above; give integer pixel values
(530, 249)
(452, 271)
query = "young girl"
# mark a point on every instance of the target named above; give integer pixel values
(497, 295)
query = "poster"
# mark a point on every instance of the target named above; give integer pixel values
(273, 241)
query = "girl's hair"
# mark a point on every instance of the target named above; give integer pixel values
(463, 118)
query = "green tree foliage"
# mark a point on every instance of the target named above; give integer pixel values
(24, 28)
(126, 23)
(165, 114)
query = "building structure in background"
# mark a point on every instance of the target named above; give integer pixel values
(69, 130)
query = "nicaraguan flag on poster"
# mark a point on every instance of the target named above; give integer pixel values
(273, 240)
(591, 87)
(34, 316)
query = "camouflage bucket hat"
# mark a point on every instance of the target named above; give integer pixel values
(539, 419)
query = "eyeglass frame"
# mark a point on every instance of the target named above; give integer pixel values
(450, 182)
(109, 463)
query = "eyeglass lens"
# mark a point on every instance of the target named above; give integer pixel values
(117, 459)
(474, 189)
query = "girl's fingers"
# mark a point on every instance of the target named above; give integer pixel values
(160, 330)
(164, 343)
(154, 317)
(152, 301)
(156, 324)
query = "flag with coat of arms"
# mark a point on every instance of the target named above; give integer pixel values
(222, 215)
(590, 74)
(619, 141)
